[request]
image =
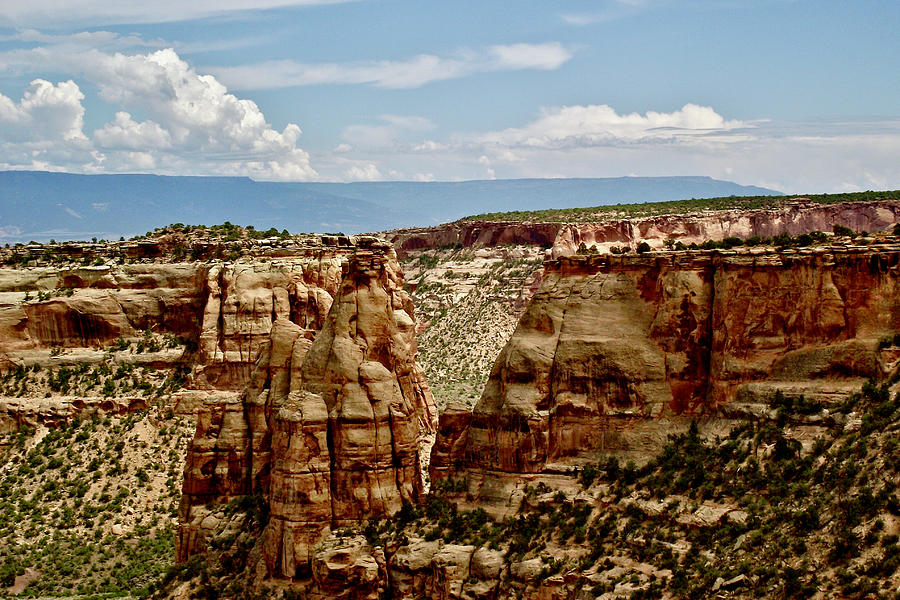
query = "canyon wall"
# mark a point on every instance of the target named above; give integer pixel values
(301, 371)
(212, 319)
(617, 352)
(604, 232)
(613, 355)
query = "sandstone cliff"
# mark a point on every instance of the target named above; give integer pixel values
(615, 353)
(210, 318)
(604, 232)
(328, 428)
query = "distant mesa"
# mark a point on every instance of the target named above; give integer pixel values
(40, 205)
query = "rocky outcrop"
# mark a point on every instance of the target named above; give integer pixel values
(616, 352)
(469, 234)
(244, 300)
(565, 239)
(79, 307)
(328, 427)
(345, 441)
(17, 414)
(219, 316)
(348, 568)
(794, 219)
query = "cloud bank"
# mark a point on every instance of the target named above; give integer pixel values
(598, 141)
(410, 73)
(592, 125)
(192, 125)
(46, 13)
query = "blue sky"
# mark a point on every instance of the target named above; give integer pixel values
(802, 96)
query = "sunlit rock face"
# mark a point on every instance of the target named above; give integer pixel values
(300, 366)
(617, 352)
(564, 239)
(345, 441)
(328, 425)
(244, 300)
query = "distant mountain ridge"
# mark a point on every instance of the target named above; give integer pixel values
(37, 205)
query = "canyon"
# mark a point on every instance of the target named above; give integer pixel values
(616, 353)
(310, 470)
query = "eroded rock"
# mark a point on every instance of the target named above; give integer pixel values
(617, 352)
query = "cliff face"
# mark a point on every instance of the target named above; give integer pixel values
(211, 319)
(93, 306)
(346, 436)
(474, 233)
(327, 428)
(565, 238)
(301, 371)
(243, 302)
(794, 219)
(615, 353)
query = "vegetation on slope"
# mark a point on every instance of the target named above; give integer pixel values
(469, 305)
(677, 207)
(107, 377)
(754, 513)
(782, 241)
(90, 507)
(173, 243)
(227, 231)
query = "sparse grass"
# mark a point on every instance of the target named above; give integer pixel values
(108, 377)
(470, 306)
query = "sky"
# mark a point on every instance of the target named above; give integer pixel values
(795, 95)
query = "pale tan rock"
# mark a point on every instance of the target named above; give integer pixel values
(434, 569)
(410, 568)
(348, 568)
(329, 422)
(357, 364)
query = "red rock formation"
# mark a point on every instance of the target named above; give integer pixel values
(615, 350)
(243, 301)
(474, 233)
(16, 414)
(345, 443)
(565, 238)
(328, 444)
(105, 303)
(799, 217)
(327, 429)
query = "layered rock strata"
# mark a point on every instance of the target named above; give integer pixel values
(220, 313)
(327, 444)
(243, 301)
(328, 427)
(91, 306)
(615, 352)
(565, 238)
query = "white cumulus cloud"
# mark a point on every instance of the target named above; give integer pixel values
(364, 172)
(45, 112)
(601, 125)
(194, 124)
(124, 132)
